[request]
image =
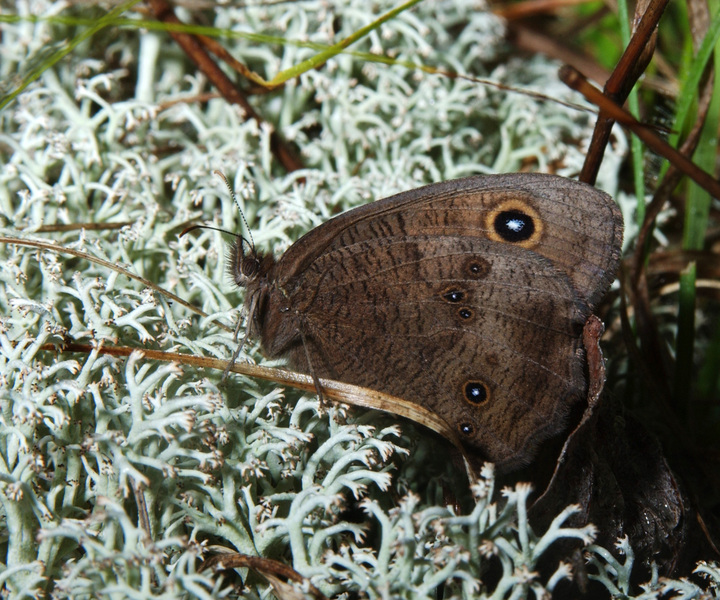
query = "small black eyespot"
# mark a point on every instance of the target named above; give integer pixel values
(465, 313)
(476, 392)
(466, 429)
(514, 226)
(454, 295)
(476, 267)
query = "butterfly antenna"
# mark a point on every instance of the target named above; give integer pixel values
(231, 191)
(253, 302)
(194, 227)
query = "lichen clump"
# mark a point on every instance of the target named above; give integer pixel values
(118, 476)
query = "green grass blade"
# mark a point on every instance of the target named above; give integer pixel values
(634, 105)
(698, 200)
(684, 345)
(688, 92)
(322, 57)
(97, 26)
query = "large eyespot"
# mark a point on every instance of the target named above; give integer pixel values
(476, 392)
(514, 226)
(515, 221)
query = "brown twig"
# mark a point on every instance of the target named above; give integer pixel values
(272, 570)
(575, 80)
(52, 247)
(628, 70)
(194, 48)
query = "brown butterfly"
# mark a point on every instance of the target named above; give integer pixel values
(467, 297)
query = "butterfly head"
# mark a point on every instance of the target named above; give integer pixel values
(245, 264)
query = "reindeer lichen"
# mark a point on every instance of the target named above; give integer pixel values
(118, 476)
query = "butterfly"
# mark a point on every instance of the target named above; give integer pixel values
(467, 297)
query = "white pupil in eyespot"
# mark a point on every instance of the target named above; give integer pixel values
(515, 225)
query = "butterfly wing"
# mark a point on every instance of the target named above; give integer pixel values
(578, 227)
(488, 340)
(467, 297)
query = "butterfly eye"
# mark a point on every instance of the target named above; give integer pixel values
(476, 392)
(514, 226)
(250, 266)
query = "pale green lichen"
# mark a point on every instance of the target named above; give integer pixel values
(88, 442)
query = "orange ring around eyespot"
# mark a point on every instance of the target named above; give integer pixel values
(485, 387)
(519, 205)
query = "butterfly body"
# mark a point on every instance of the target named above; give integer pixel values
(467, 297)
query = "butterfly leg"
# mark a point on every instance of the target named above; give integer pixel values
(241, 345)
(316, 380)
